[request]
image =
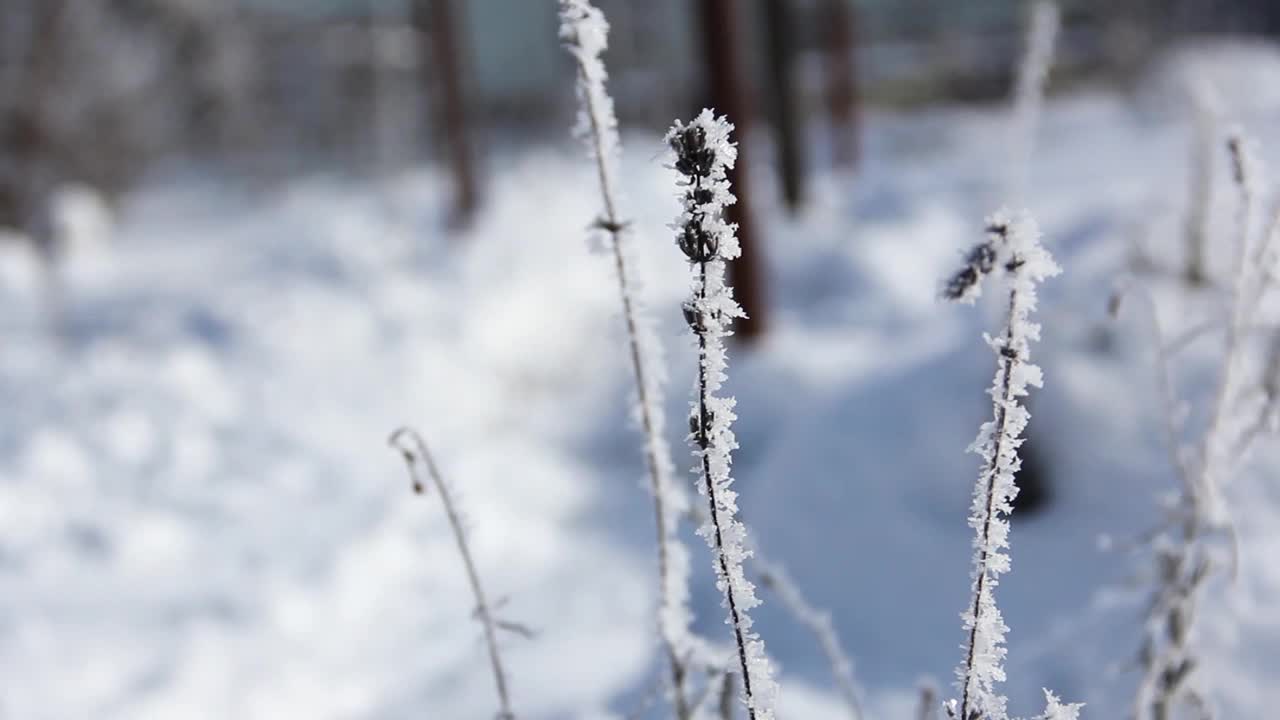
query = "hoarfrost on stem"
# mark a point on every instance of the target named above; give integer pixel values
(703, 154)
(1028, 97)
(1055, 709)
(1013, 246)
(586, 35)
(1187, 558)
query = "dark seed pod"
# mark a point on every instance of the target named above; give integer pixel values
(700, 196)
(690, 242)
(685, 143)
(696, 244)
(960, 283)
(693, 157)
(982, 257)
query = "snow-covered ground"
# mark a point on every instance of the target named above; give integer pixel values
(200, 518)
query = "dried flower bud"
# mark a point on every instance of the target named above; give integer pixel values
(958, 287)
(697, 244)
(693, 157)
(982, 257)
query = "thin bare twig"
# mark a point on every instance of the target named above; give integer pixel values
(818, 622)
(416, 455)
(1013, 244)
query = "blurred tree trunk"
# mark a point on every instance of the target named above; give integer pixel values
(723, 82)
(784, 103)
(29, 145)
(839, 41)
(439, 27)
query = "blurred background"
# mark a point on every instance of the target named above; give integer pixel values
(245, 239)
(102, 93)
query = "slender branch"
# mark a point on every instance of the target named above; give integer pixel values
(703, 153)
(1184, 564)
(818, 622)
(989, 483)
(1168, 608)
(1013, 245)
(1270, 408)
(414, 450)
(585, 30)
(703, 438)
(1243, 173)
(654, 447)
(1028, 98)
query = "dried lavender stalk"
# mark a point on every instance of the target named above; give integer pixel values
(703, 154)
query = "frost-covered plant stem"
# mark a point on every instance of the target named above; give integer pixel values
(819, 623)
(703, 155)
(1013, 245)
(1183, 565)
(1028, 98)
(1244, 173)
(992, 494)
(585, 32)
(414, 450)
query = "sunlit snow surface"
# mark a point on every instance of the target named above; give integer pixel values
(200, 518)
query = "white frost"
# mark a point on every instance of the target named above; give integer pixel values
(586, 33)
(1016, 249)
(1056, 710)
(705, 196)
(1028, 99)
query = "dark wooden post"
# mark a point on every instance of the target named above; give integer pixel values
(839, 39)
(438, 23)
(784, 104)
(724, 91)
